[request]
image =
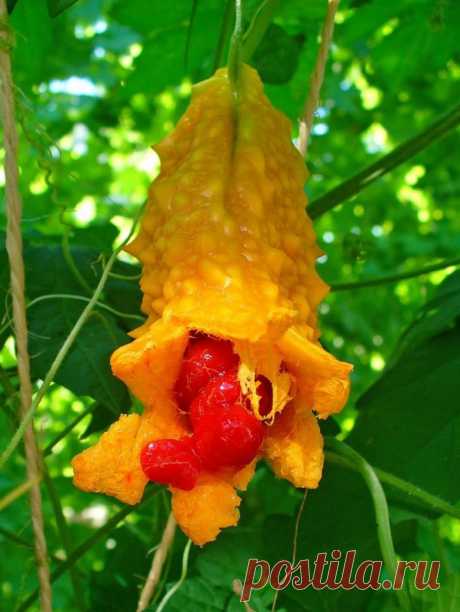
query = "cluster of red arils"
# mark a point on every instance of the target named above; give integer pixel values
(226, 434)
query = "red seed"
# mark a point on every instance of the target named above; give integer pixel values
(228, 438)
(225, 390)
(204, 359)
(171, 462)
(220, 393)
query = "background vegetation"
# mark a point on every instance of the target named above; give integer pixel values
(97, 84)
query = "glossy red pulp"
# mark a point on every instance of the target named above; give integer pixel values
(226, 434)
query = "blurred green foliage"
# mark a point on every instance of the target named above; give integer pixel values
(99, 81)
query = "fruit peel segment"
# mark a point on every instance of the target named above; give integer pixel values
(294, 446)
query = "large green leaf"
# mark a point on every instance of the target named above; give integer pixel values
(439, 314)
(197, 595)
(339, 515)
(32, 25)
(56, 7)
(109, 586)
(277, 56)
(409, 421)
(149, 17)
(85, 370)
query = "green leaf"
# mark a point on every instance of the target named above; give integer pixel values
(298, 10)
(197, 595)
(150, 17)
(47, 272)
(98, 237)
(438, 315)
(56, 7)
(426, 40)
(161, 63)
(224, 560)
(409, 420)
(32, 25)
(101, 419)
(86, 369)
(109, 587)
(277, 56)
(125, 294)
(164, 49)
(11, 5)
(339, 515)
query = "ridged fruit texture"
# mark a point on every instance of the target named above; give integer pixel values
(229, 251)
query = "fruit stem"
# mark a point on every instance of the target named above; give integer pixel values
(234, 55)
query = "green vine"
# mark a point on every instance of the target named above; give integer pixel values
(234, 55)
(382, 514)
(431, 502)
(68, 257)
(81, 298)
(394, 278)
(399, 155)
(183, 576)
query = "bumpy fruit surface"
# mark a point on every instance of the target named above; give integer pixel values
(171, 462)
(204, 359)
(228, 438)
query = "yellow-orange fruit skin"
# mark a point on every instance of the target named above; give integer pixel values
(225, 241)
(294, 446)
(227, 249)
(209, 507)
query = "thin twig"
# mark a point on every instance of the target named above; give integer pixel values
(16, 261)
(157, 564)
(394, 278)
(68, 258)
(13, 537)
(15, 494)
(62, 434)
(183, 575)
(317, 76)
(297, 526)
(294, 540)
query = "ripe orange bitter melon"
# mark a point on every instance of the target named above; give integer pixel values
(227, 249)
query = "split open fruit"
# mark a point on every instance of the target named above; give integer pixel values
(228, 363)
